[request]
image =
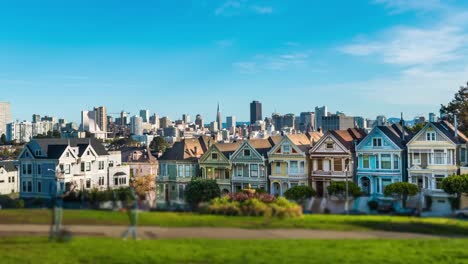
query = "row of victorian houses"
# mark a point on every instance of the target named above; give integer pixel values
(386, 155)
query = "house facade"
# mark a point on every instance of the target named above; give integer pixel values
(250, 166)
(81, 162)
(333, 158)
(435, 153)
(381, 159)
(177, 167)
(215, 164)
(9, 179)
(289, 162)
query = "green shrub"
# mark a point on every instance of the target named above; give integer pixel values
(20, 204)
(338, 189)
(7, 202)
(223, 206)
(283, 208)
(300, 193)
(200, 191)
(255, 207)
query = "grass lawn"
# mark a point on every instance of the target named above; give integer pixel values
(100, 250)
(436, 226)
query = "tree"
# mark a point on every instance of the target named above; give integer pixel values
(338, 189)
(200, 191)
(458, 106)
(300, 193)
(3, 140)
(143, 185)
(159, 145)
(416, 128)
(457, 184)
(402, 190)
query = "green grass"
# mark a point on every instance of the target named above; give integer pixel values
(436, 226)
(101, 250)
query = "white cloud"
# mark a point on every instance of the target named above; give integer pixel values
(414, 46)
(228, 6)
(399, 6)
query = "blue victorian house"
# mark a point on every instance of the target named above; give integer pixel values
(381, 159)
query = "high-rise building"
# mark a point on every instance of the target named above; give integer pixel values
(255, 112)
(277, 121)
(320, 112)
(165, 122)
(289, 120)
(219, 121)
(186, 118)
(214, 128)
(101, 117)
(199, 122)
(306, 121)
(36, 118)
(231, 122)
(337, 122)
(360, 122)
(21, 132)
(144, 114)
(154, 119)
(123, 118)
(136, 125)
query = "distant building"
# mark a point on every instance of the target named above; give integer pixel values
(306, 121)
(154, 119)
(337, 122)
(101, 117)
(231, 123)
(214, 127)
(360, 122)
(186, 118)
(89, 123)
(199, 122)
(289, 120)
(255, 112)
(136, 125)
(36, 118)
(165, 122)
(433, 118)
(381, 120)
(21, 132)
(145, 115)
(219, 121)
(9, 180)
(320, 112)
(5, 116)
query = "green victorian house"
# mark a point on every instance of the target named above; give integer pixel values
(215, 164)
(177, 167)
(250, 165)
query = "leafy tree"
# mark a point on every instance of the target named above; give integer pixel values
(3, 140)
(416, 128)
(200, 191)
(457, 184)
(338, 189)
(402, 190)
(458, 106)
(300, 193)
(143, 185)
(159, 145)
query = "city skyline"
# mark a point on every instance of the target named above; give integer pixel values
(280, 54)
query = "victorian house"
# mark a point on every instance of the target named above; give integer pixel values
(177, 166)
(215, 164)
(435, 153)
(381, 159)
(289, 162)
(50, 164)
(250, 166)
(9, 181)
(333, 158)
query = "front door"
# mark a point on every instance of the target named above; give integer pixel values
(319, 185)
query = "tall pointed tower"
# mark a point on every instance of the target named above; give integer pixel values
(219, 120)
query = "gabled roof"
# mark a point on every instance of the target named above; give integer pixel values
(302, 141)
(54, 148)
(394, 133)
(347, 137)
(8, 165)
(144, 155)
(314, 136)
(449, 131)
(228, 148)
(189, 149)
(262, 146)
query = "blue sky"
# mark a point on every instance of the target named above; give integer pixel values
(363, 57)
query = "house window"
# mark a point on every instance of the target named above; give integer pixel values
(438, 181)
(377, 161)
(377, 142)
(463, 154)
(294, 167)
(101, 181)
(101, 165)
(180, 170)
(39, 169)
(286, 149)
(439, 157)
(239, 170)
(278, 168)
(181, 191)
(38, 152)
(214, 156)
(188, 170)
(386, 161)
(88, 183)
(431, 136)
(301, 167)
(29, 169)
(82, 166)
(87, 153)
(366, 162)
(88, 166)
(253, 170)
(396, 162)
(416, 158)
(247, 152)
(226, 174)
(116, 181)
(24, 186)
(12, 179)
(329, 145)
(67, 168)
(385, 183)
(39, 187)
(320, 165)
(163, 169)
(337, 165)
(68, 154)
(29, 186)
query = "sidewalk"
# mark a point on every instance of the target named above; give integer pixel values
(208, 233)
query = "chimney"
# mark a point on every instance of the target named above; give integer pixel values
(455, 121)
(402, 123)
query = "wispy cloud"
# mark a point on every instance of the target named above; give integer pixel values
(237, 7)
(276, 62)
(400, 6)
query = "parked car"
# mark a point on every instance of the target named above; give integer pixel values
(463, 213)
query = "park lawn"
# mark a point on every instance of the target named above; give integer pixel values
(435, 226)
(105, 250)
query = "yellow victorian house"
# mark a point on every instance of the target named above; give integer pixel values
(289, 162)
